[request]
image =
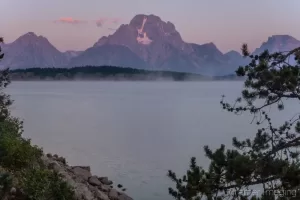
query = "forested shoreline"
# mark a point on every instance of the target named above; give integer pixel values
(106, 73)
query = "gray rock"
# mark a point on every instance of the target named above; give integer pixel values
(124, 196)
(86, 186)
(104, 188)
(88, 168)
(105, 181)
(68, 168)
(101, 195)
(82, 192)
(13, 191)
(54, 166)
(94, 181)
(113, 194)
(98, 194)
(61, 159)
(82, 172)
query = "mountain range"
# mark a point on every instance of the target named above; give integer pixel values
(147, 42)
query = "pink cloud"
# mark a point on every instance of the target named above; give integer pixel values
(70, 20)
(100, 22)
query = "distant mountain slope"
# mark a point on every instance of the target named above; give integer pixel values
(209, 52)
(154, 41)
(233, 55)
(31, 50)
(71, 54)
(236, 59)
(146, 42)
(160, 45)
(114, 55)
(277, 43)
(211, 60)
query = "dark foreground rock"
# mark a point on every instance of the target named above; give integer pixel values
(86, 185)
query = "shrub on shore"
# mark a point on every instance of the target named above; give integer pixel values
(23, 174)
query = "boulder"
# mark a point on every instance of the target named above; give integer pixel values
(54, 166)
(104, 188)
(105, 181)
(13, 191)
(113, 194)
(86, 186)
(84, 173)
(93, 180)
(88, 168)
(124, 196)
(61, 159)
(97, 194)
(101, 195)
(82, 192)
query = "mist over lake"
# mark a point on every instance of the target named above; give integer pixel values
(132, 132)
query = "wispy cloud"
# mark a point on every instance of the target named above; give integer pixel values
(112, 29)
(101, 21)
(70, 20)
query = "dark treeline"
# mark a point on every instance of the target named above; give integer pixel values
(103, 73)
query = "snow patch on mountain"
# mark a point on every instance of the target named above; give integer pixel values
(142, 37)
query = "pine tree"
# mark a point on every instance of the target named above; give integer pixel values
(270, 159)
(5, 100)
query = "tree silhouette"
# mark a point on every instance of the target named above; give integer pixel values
(5, 101)
(270, 160)
(100, 72)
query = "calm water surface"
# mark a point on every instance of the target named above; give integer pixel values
(132, 132)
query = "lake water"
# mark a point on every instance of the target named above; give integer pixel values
(132, 132)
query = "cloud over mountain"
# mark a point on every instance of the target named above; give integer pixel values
(70, 20)
(104, 20)
(99, 22)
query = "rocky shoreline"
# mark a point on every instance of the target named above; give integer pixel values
(86, 186)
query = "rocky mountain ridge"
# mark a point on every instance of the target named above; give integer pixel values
(32, 50)
(147, 42)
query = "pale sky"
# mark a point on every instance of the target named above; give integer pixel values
(227, 23)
